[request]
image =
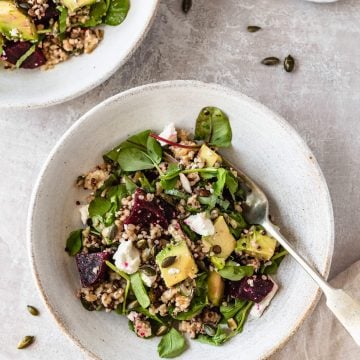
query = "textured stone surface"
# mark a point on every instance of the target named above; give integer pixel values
(320, 99)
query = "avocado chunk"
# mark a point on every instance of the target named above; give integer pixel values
(256, 243)
(207, 155)
(222, 241)
(14, 24)
(181, 264)
(73, 5)
(216, 287)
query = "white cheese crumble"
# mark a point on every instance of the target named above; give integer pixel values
(14, 33)
(185, 183)
(147, 279)
(201, 224)
(84, 213)
(127, 257)
(258, 309)
(169, 133)
(173, 271)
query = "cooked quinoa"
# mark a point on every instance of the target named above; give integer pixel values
(164, 241)
(44, 33)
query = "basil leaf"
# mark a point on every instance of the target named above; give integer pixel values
(99, 206)
(231, 310)
(138, 288)
(234, 272)
(154, 150)
(74, 242)
(97, 12)
(133, 159)
(220, 183)
(117, 12)
(172, 344)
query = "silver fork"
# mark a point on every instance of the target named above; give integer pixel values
(256, 211)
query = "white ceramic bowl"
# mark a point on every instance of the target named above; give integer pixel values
(37, 88)
(264, 146)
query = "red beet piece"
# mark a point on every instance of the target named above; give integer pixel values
(92, 267)
(254, 288)
(144, 212)
(50, 13)
(14, 50)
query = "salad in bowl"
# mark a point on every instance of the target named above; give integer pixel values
(164, 242)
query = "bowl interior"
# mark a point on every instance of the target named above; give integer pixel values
(264, 146)
(35, 88)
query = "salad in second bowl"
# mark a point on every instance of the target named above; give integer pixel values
(164, 242)
(36, 33)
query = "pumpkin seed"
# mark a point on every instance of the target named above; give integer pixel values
(186, 6)
(148, 270)
(141, 244)
(33, 310)
(289, 63)
(185, 290)
(216, 249)
(134, 304)
(270, 61)
(209, 330)
(168, 261)
(25, 342)
(163, 329)
(253, 28)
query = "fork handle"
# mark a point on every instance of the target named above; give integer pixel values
(343, 306)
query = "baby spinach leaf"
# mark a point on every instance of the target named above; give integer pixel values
(130, 185)
(222, 335)
(117, 12)
(133, 159)
(99, 206)
(74, 242)
(231, 183)
(230, 310)
(116, 193)
(139, 290)
(97, 12)
(139, 140)
(213, 126)
(241, 316)
(235, 272)
(172, 344)
(154, 150)
(220, 183)
(210, 201)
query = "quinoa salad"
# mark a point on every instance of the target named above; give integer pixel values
(164, 242)
(43, 33)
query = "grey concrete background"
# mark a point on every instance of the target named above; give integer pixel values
(320, 99)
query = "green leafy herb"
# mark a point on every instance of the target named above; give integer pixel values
(234, 272)
(213, 126)
(220, 183)
(130, 185)
(145, 184)
(231, 183)
(97, 12)
(139, 290)
(241, 317)
(154, 150)
(177, 193)
(222, 335)
(192, 235)
(237, 223)
(117, 12)
(133, 159)
(99, 206)
(74, 242)
(172, 344)
(62, 18)
(230, 310)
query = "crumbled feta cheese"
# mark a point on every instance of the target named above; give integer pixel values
(258, 309)
(173, 271)
(147, 279)
(84, 213)
(169, 133)
(127, 257)
(185, 183)
(132, 316)
(201, 224)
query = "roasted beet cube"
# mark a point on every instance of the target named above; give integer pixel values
(92, 267)
(14, 50)
(254, 288)
(146, 212)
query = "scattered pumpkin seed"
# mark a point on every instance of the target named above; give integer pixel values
(209, 330)
(186, 6)
(33, 310)
(163, 329)
(134, 304)
(270, 61)
(168, 261)
(232, 324)
(141, 244)
(253, 28)
(25, 342)
(148, 270)
(185, 290)
(289, 63)
(216, 249)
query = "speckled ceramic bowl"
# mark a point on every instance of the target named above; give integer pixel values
(37, 88)
(264, 146)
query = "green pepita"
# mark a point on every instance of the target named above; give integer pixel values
(270, 61)
(141, 244)
(148, 270)
(168, 261)
(25, 342)
(253, 28)
(209, 330)
(133, 305)
(163, 329)
(33, 310)
(289, 63)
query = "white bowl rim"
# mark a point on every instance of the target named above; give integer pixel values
(93, 85)
(170, 84)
